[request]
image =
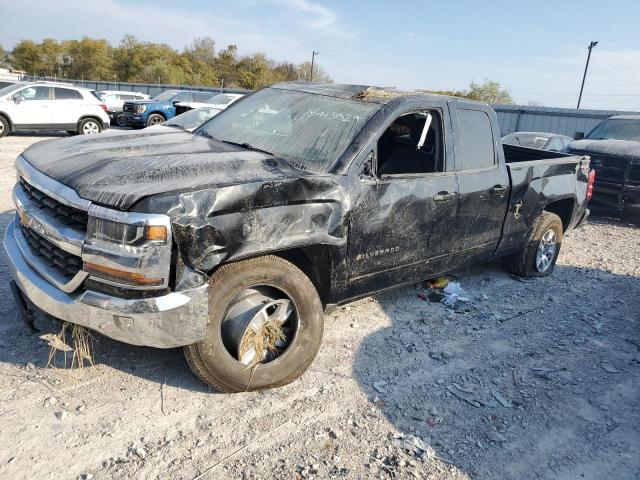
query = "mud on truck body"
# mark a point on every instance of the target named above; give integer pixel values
(233, 240)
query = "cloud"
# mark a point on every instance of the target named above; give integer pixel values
(320, 17)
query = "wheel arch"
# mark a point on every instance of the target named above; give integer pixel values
(564, 209)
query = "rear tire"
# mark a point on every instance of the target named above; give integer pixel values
(4, 126)
(89, 126)
(222, 367)
(121, 120)
(155, 119)
(542, 247)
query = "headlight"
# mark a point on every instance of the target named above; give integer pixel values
(100, 230)
(141, 108)
(127, 249)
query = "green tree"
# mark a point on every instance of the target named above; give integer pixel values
(26, 56)
(319, 75)
(87, 59)
(489, 91)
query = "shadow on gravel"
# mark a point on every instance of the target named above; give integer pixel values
(529, 379)
(603, 215)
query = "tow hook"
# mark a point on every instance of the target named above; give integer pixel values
(516, 211)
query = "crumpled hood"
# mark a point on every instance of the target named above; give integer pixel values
(623, 148)
(119, 169)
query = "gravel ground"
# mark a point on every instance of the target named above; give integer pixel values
(529, 379)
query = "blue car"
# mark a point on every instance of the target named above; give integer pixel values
(144, 113)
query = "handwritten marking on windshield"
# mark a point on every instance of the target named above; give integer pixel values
(342, 117)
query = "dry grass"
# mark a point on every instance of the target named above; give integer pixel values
(378, 93)
(81, 347)
(262, 341)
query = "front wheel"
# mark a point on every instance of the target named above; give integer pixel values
(4, 126)
(541, 250)
(155, 119)
(89, 126)
(265, 326)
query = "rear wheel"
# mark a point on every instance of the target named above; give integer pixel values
(265, 326)
(542, 247)
(89, 126)
(4, 126)
(155, 119)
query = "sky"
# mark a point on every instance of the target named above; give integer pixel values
(536, 50)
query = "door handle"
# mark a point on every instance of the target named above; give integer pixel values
(443, 196)
(498, 190)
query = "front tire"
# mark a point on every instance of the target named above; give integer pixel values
(89, 126)
(246, 300)
(542, 247)
(4, 126)
(155, 119)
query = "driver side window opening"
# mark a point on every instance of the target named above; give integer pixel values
(412, 144)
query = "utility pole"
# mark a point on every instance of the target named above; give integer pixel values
(591, 45)
(313, 57)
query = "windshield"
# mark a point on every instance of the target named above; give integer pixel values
(310, 131)
(11, 88)
(524, 140)
(193, 118)
(220, 99)
(165, 96)
(617, 129)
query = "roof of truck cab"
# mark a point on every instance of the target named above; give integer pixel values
(366, 93)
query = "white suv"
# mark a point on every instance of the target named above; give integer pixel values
(51, 106)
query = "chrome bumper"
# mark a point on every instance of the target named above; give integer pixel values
(171, 320)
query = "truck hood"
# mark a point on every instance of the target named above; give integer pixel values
(623, 148)
(119, 169)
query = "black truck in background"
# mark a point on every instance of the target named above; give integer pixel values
(614, 148)
(232, 240)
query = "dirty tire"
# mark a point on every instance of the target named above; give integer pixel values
(211, 361)
(89, 126)
(524, 263)
(155, 119)
(4, 126)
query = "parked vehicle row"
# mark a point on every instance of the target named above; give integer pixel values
(230, 241)
(168, 104)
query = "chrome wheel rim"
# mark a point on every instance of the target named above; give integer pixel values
(546, 251)
(120, 120)
(90, 128)
(259, 325)
(155, 120)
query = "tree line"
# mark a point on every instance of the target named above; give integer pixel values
(133, 60)
(199, 64)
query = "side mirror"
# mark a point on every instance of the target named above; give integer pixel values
(578, 135)
(17, 99)
(175, 102)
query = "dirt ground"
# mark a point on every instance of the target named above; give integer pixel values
(528, 379)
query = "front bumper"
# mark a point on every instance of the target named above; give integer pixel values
(133, 120)
(171, 320)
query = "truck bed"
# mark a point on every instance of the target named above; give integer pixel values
(539, 176)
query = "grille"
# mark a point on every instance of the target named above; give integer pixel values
(73, 217)
(128, 107)
(66, 263)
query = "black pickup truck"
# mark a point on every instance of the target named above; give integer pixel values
(614, 148)
(231, 241)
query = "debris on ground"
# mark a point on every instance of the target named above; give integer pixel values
(607, 367)
(454, 293)
(82, 345)
(503, 401)
(414, 445)
(464, 394)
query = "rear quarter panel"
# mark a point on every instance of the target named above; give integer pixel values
(535, 185)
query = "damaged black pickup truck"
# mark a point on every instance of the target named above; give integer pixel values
(231, 241)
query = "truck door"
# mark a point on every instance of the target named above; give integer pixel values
(483, 183)
(404, 209)
(33, 107)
